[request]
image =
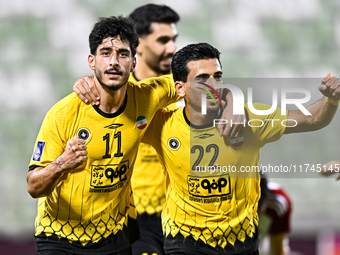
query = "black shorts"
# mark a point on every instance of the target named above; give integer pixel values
(53, 252)
(118, 244)
(184, 253)
(180, 245)
(151, 236)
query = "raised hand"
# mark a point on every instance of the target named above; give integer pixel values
(74, 155)
(330, 87)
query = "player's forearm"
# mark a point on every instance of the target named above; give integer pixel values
(171, 94)
(322, 114)
(42, 180)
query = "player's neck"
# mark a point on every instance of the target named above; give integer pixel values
(197, 118)
(111, 100)
(143, 71)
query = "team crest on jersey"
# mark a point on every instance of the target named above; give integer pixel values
(84, 133)
(141, 122)
(174, 144)
(39, 149)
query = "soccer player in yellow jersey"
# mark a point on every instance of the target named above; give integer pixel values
(156, 28)
(84, 155)
(215, 211)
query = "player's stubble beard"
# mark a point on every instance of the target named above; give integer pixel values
(213, 110)
(156, 66)
(115, 87)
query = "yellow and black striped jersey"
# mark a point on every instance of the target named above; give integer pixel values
(95, 200)
(148, 180)
(216, 204)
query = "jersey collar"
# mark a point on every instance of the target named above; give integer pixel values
(208, 125)
(112, 115)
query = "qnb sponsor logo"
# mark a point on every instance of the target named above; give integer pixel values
(238, 100)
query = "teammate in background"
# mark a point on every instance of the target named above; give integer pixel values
(84, 155)
(275, 210)
(331, 167)
(214, 212)
(157, 31)
(156, 28)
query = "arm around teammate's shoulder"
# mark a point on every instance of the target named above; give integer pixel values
(165, 87)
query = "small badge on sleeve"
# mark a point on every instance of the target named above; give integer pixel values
(39, 151)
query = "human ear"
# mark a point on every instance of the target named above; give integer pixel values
(133, 66)
(180, 88)
(91, 61)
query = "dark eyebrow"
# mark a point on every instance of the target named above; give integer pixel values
(205, 74)
(123, 50)
(165, 37)
(110, 49)
(201, 75)
(105, 48)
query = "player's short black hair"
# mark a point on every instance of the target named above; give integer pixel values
(191, 52)
(112, 27)
(143, 17)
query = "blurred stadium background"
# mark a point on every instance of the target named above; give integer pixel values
(44, 49)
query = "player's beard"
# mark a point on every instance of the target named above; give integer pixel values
(214, 109)
(157, 66)
(114, 87)
(211, 109)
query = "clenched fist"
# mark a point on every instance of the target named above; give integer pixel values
(74, 155)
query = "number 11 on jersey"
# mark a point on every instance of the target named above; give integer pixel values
(106, 139)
